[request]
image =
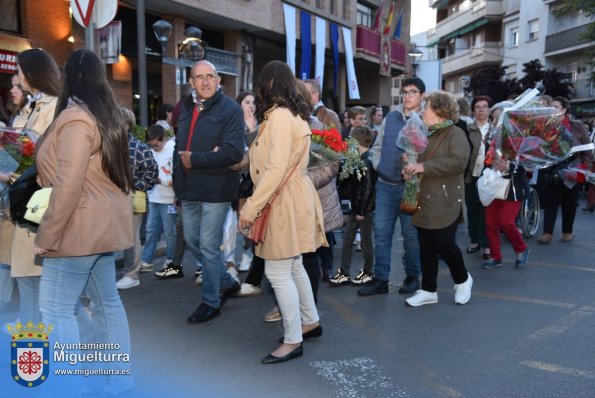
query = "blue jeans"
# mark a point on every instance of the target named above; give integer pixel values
(388, 201)
(29, 298)
(159, 219)
(203, 234)
(62, 282)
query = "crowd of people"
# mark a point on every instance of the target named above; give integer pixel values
(211, 164)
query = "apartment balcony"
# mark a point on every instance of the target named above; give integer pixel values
(367, 46)
(465, 20)
(566, 41)
(489, 54)
(583, 88)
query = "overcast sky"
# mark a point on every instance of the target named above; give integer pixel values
(423, 17)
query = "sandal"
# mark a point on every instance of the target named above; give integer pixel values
(473, 249)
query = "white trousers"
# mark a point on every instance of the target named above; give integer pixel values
(294, 295)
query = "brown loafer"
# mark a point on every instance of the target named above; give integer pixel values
(567, 237)
(544, 239)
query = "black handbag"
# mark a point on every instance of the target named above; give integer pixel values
(19, 194)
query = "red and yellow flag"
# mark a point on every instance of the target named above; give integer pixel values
(389, 19)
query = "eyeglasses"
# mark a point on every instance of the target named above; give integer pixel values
(202, 78)
(410, 93)
(479, 107)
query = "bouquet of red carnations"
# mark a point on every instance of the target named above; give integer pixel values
(17, 148)
(327, 146)
(413, 139)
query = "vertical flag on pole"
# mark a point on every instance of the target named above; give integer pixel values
(397, 34)
(351, 79)
(377, 18)
(389, 19)
(320, 49)
(289, 12)
(306, 36)
(335, 43)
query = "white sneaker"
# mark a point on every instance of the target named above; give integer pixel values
(249, 290)
(422, 297)
(246, 261)
(146, 267)
(127, 282)
(198, 276)
(463, 291)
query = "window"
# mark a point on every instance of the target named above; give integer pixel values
(346, 5)
(514, 37)
(11, 16)
(319, 3)
(533, 29)
(364, 15)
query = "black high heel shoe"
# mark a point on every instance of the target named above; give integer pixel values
(297, 352)
(589, 209)
(316, 332)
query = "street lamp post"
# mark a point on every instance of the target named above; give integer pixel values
(190, 50)
(414, 53)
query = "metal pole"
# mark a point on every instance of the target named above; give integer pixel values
(89, 36)
(142, 63)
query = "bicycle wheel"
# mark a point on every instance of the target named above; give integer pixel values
(530, 214)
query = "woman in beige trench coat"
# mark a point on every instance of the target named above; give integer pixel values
(38, 74)
(279, 158)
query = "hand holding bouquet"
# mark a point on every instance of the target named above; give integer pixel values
(413, 139)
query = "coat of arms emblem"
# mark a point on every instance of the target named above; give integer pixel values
(29, 353)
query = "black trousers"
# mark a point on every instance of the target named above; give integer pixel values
(562, 197)
(434, 243)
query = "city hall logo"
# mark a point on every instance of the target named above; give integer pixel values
(29, 353)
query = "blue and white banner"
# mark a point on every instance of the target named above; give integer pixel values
(289, 12)
(335, 43)
(306, 37)
(320, 48)
(351, 79)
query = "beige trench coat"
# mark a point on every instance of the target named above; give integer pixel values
(22, 260)
(296, 222)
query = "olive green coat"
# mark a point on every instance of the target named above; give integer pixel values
(442, 190)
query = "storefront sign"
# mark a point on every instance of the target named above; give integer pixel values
(8, 62)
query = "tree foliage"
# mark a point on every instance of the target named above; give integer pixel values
(490, 81)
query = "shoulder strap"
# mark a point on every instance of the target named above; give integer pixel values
(431, 155)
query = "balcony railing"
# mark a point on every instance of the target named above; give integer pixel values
(367, 42)
(565, 39)
(584, 88)
(227, 62)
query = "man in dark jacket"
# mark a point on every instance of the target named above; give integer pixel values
(210, 139)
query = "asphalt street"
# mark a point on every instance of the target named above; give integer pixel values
(525, 333)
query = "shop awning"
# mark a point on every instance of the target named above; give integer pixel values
(460, 32)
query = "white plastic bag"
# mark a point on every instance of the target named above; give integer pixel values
(491, 185)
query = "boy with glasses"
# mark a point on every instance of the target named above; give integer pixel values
(387, 161)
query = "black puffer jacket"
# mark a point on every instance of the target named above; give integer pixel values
(361, 193)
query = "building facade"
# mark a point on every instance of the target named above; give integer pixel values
(241, 36)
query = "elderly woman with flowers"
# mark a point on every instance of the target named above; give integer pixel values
(440, 208)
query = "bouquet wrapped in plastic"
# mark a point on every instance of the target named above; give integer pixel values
(413, 139)
(17, 148)
(533, 137)
(327, 146)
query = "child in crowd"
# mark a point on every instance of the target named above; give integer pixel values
(162, 214)
(361, 214)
